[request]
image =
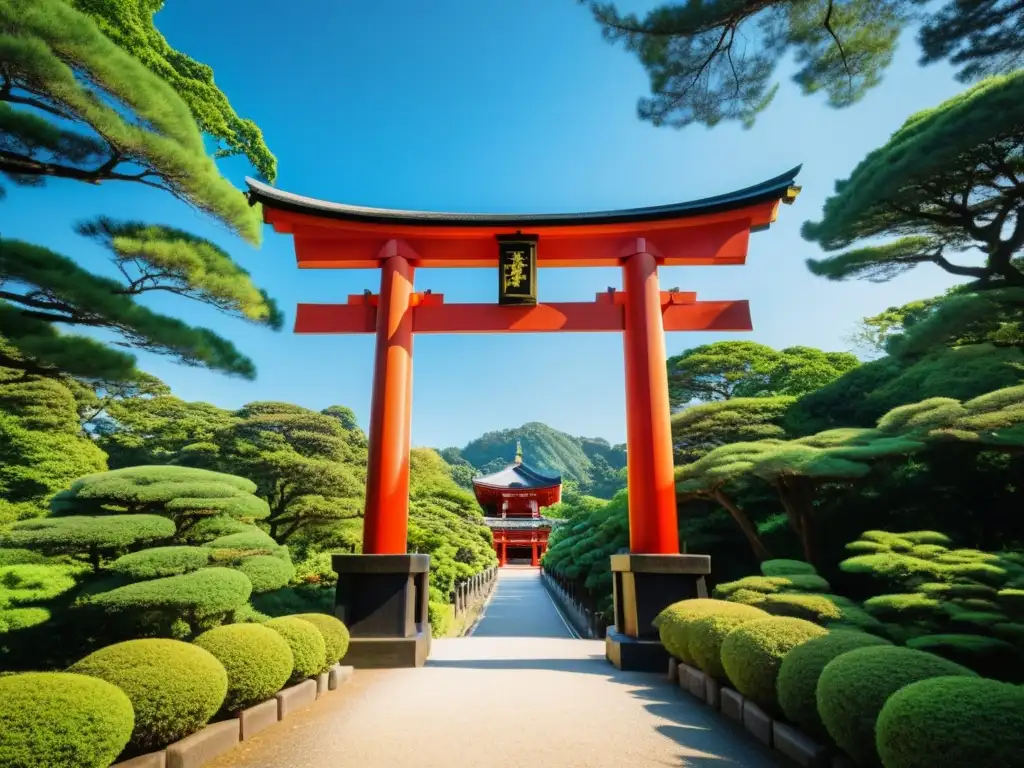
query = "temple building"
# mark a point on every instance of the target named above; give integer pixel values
(512, 499)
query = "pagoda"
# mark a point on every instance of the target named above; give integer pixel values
(512, 499)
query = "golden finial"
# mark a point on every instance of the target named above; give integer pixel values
(519, 452)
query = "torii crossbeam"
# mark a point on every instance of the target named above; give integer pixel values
(712, 231)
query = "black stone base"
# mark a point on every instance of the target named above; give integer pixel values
(389, 652)
(632, 655)
(382, 599)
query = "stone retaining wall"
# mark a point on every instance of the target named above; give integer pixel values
(217, 738)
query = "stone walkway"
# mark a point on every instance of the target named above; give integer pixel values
(519, 692)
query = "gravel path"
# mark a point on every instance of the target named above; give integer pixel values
(564, 707)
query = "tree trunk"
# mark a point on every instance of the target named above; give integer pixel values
(795, 497)
(749, 531)
(94, 558)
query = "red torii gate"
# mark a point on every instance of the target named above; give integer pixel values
(388, 631)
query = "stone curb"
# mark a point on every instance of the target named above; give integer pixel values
(781, 736)
(217, 738)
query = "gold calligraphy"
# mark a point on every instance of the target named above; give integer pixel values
(515, 273)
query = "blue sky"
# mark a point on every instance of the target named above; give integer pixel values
(497, 106)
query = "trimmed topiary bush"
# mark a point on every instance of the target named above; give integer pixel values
(266, 572)
(14, 619)
(175, 688)
(988, 656)
(707, 634)
(336, 637)
(672, 623)
(797, 682)
(203, 593)
(309, 651)
(802, 582)
(753, 652)
(161, 562)
(783, 567)
(853, 688)
(62, 720)
(252, 539)
(258, 661)
(952, 721)
(21, 584)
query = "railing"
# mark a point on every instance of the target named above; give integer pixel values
(474, 589)
(588, 623)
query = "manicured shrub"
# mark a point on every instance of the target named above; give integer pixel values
(206, 592)
(672, 623)
(253, 539)
(266, 572)
(952, 721)
(802, 582)
(21, 584)
(257, 659)
(797, 683)
(753, 652)
(175, 688)
(62, 720)
(707, 634)
(206, 529)
(14, 619)
(853, 688)
(309, 651)
(161, 562)
(782, 567)
(10, 556)
(336, 637)
(988, 656)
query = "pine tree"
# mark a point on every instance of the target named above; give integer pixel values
(715, 60)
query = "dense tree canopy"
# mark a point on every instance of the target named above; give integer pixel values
(702, 428)
(949, 182)
(715, 60)
(729, 369)
(61, 77)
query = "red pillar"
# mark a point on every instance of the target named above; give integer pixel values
(653, 527)
(534, 560)
(386, 522)
(502, 558)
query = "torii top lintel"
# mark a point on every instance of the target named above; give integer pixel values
(710, 231)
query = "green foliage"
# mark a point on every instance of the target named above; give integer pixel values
(944, 184)
(728, 369)
(704, 637)
(42, 448)
(174, 687)
(160, 562)
(784, 567)
(62, 720)
(798, 582)
(13, 619)
(257, 659)
(94, 537)
(988, 656)
(853, 688)
(699, 429)
(32, 583)
(129, 23)
(181, 493)
(952, 721)
(335, 634)
(209, 593)
(674, 623)
(797, 682)
(309, 650)
(266, 572)
(59, 57)
(753, 652)
(294, 600)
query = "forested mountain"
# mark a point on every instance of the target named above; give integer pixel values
(590, 465)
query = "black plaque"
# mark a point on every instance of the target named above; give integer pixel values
(517, 269)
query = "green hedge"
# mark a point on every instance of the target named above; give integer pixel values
(309, 651)
(93, 536)
(952, 721)
(13, 619)
(753, 652)
(799, 582)
(783, 567)
(29, 583)
(257, 659)
(266, 572)
(673, 623)
(335, 634)
(988, 656)
(706, 636)
(797, 683)
(161, 562)
(61, 720)
(175, 688)
(853, 688)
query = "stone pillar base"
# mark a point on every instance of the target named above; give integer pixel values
(643, 586)
(383, 601)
